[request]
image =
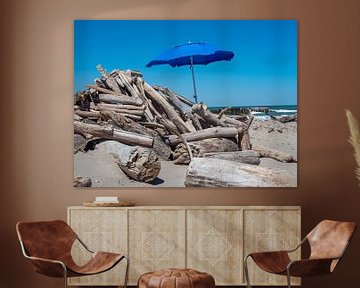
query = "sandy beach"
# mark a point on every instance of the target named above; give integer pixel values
(102, 168)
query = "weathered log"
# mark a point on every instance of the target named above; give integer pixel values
(133, 73)
(110, 81)
(200, 148)
(246, 156)
(231, 121)
(87, 114)
(172, 129)
(207, 115)
(168, 109)
(77, 118)
(285, 118)
(185, 100)
(273, 153)
(160, 148)
(175, 101)
(119, 82)
(195, 121)
(149, 107)
(82, 181)
(104, 90)
(123, 99)
(243, 131)
(214, 132)
(222, 112)
(208, 172)
(241, 118)
(124, 111)
(133, 117)
(137, 163)
(131, 112)
(109, 133)
(250, 120)
(120, 106)
(79, 142)
(190, 126)
(244, 139)
(126, 83)
(152, 125)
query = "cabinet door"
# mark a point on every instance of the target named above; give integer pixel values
(101, 230)
(214, 244)
(156, 240)
(270, 230)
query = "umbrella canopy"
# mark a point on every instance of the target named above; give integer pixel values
(191, 54)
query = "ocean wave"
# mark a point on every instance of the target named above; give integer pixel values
(262, 117)
(283, 111)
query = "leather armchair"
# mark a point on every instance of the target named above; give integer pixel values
(48, 245)
(328, 243)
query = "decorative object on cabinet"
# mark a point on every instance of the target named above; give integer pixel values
(48, 245)
(176, 278)
(204, 238)
(328, 242)
(109, 204)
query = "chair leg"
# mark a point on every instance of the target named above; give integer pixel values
(126, 271)
(246, 270)
(288, 278)
(65, 276)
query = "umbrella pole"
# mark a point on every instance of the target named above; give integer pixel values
(193, 78)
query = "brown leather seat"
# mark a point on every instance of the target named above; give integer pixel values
(176, 278)
(48, 245)
(328, 242)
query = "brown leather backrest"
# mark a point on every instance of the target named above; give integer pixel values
(46, 239)
(329, 238)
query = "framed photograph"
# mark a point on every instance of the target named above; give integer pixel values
(184, 103)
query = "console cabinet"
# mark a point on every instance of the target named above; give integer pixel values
(211, 239)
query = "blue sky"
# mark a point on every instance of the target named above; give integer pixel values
(262, 72)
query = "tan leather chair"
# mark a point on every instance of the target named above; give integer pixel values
(48, 245)
(328, 242)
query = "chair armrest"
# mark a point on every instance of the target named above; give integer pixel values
(84, 245)
(49, 267)
(309, 267)
(267, 253)
(280, 251)
(46, 260)
(298, 246)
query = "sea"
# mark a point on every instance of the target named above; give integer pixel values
(260, 112)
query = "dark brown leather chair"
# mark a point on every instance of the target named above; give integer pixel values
(48, 245)
(328, 242)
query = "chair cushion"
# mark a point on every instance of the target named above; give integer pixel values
(176, 278)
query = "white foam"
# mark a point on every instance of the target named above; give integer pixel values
(262, 117)
(283, 111)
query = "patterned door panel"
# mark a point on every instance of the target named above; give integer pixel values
(214, 244)
(100, 230)
(270, 230)
(157, 240)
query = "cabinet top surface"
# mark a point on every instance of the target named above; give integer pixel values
(192, 207)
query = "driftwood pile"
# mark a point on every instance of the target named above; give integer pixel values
(147, 124)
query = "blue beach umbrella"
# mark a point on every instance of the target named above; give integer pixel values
(197, 53)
